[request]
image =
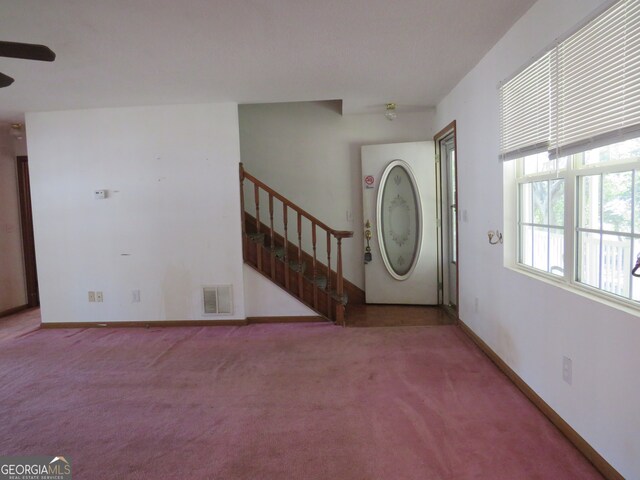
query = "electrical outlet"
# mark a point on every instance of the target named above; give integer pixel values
(92, 296)
(135, 296)
(567, 370)
(99, 297)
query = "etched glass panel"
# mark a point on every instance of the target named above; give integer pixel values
(399, 220)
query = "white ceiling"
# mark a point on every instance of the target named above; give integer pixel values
(142, 52)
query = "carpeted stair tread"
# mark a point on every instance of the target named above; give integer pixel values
(256, 237)
(293, 264)
(297, 267)
(344, 298)
(320, 281)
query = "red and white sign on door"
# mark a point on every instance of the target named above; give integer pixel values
(369, 181)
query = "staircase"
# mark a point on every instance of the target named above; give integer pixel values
(271, 252)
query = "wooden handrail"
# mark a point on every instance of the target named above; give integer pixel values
(336, 233)
(300, 213)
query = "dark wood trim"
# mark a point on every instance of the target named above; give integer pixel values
(355, 294)
(258, 184)
(574, 437)
(452, 127)
(440, 207)
(14, 310)
(297, 319)
(26, 222)
(337, 314)
(455, 148)
(183, 323)
(445, 131)
(326, 302)
(146, 324)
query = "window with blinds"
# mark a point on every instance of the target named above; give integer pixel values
(571, 119)
(583, 93)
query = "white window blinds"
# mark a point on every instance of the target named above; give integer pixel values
(525, 109)
(582, 94)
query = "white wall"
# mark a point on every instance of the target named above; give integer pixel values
(13, 291)
(263, 298)
(310, 153)
(170, 224)
(531, 324)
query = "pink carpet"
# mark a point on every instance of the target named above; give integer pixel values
(297, 401)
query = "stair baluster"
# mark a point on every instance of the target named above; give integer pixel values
(256, 190)
(272, 244)
(285, 217)
(300, 269)
(255, 236)
(329, 307)
(339, 284)
(315, 272)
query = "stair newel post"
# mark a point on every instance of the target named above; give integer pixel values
(340, 285)
(329, 309)
(256, 192)
(285, 218)
(300, 272)
(242, 213)
(315, 273)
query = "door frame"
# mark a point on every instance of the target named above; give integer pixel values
(437, 138)
(26, 221)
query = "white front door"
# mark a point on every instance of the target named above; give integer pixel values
(399, 212)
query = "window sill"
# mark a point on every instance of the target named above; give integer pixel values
(585, 292)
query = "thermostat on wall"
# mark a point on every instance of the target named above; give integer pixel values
(99, 194)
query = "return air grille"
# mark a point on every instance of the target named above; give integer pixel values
(218, 300)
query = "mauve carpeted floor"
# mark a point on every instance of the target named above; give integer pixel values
(296, 401)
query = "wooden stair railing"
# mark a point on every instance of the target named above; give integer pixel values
(280, 259)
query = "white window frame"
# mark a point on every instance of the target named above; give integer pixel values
(530, 179)
(515, 177)
(569, 197)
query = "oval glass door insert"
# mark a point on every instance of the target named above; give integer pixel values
(399, 215)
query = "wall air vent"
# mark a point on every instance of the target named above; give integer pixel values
(217, 300)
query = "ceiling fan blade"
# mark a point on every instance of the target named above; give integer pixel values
(27, 51)
(5, 81)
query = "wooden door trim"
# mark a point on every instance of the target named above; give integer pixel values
(26, 221)
(449, 129)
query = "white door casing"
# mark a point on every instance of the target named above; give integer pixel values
(399, 225)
